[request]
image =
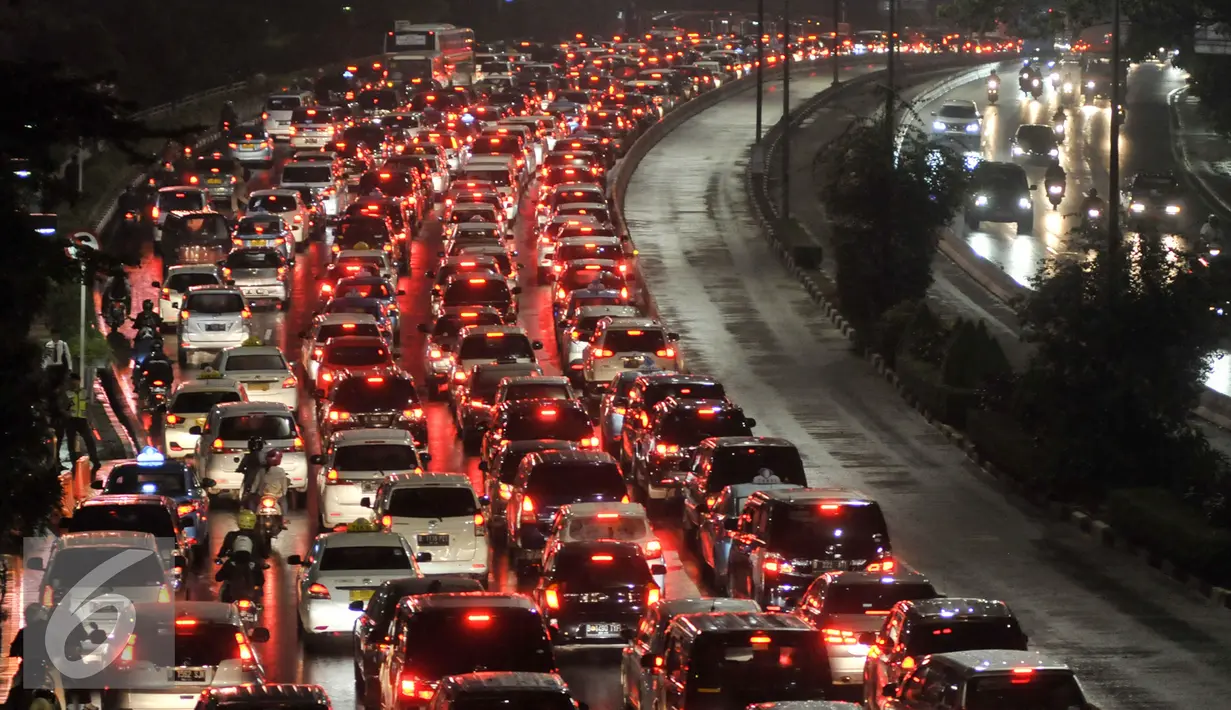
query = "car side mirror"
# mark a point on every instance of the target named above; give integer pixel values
(96, 485)
(649, 662)
(208, 483)
(537, 345)
(317, 459)
(365, 502)
(425, 457)
(889, 690)
(195, 431)
(356, 606)
(1034, 187)
(730, 524)
(423, 328)
(658, 570)
(156, 284)
(401, 292)
(516, 290)
(483, 466)
(423, 557)
(751, 422)
(933, 113)
(35, 563)
(259, 635)
(294, 560)
(97, 637)
(867, 638)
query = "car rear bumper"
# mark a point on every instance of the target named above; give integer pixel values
(577, 628)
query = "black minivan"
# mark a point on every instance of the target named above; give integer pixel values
(731, 460)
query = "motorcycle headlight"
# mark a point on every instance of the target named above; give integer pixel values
(1215, 252)
(1137, 207)
(1034, 82)
(938, 125)
(1054, 152)
(1024, 203)
(1094, 213)
(972, 160)
(980, 200)
(1172, 209)
(1068, 87)
(1089, 84)
(972, 127)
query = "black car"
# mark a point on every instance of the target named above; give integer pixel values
(498, 477)
(263, 696)
(1153, 199)
(676, 429)
(1000, 192)
(595, 592)
(385, 401)
(1035, 143)
(475, 401)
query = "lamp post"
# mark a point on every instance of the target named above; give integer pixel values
(833, 52)
(786, 109)
(1113, 167)
(760, 63)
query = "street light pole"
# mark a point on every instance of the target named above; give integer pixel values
(1113, 167)
(760, 63)
(891, 96)
(786, 110)
(833, 53)
(81, 340)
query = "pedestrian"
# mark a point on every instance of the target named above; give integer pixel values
(76, 422)
(57, 359)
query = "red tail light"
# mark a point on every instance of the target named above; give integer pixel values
(551, 596)
(410, 687)
(172, 419)
(839, 636)
(338, 416)
(652, 594)
(185, 509)
(528, 514)
(884, 566)
(666, 352)
(318, 591)
(289, 382)
(601, 353)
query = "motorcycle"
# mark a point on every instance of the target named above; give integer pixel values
(116, 314)
(1055, 194)
(147, 340)
(1036, 88)
(269, 513)
(1092, 218)
(993, 91)
(155, 385)
(243, 593)
(1058, 129)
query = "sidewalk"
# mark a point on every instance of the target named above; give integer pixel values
(1204, 154)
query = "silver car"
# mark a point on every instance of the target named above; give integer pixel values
(325, 180)
(265, 230)
(713, 538)
(312, 127)
(251, 144)
(261, 273)
(212, 319)
(958, 118)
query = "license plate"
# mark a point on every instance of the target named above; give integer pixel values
(248, 146)
(379, 421)
(258, 386)
(216, 328)
(602, 629)
(190, 674)
(434, 540)
(214, 181)
(260, 291)
(361, 595)
(260, 242)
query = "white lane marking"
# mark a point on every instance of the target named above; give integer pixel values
(269, 333)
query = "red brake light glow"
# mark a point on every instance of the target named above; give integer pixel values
(601, 558)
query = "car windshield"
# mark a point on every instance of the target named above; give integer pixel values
(564, 483)
(266, 426)
(689, 427)
(499, 178)
(255, 259)
(182, 281)
(272, 203)
(948, 636)
(196, 645)
(264, 361)
(346, 558)
(375, 457)
(788, 667)
(1029, 691)
(307, 173)
(432, 502)
(375, 394)
(1040, 136)
(164, 480)
(499, 640)
(1154, 183)
(634, 341)
(482, 347)
(202, 402)
(958, 111)
(283, 103)
(611, 527)
(521, 700)
(582, 569)
(69, 565)
(214, 304)
(137, 517)
(357, 355)
(334, 330)
(811, 530)
(867, 598)
(535, 390)
(181, 201)
(373, 231)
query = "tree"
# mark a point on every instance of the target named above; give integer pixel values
(1123, 342)
(886, 210)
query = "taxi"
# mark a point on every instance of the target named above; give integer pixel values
(188, 406)
(151, 473)
(355, 463)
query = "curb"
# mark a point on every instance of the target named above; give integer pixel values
(1098, 530)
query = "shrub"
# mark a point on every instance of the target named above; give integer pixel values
(887, 336)
(973, 357)
(925, 337)
(1004, 442)
(1159, 521)
(922, 379)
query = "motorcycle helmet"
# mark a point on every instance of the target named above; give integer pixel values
(273, 458)
(1093, 192)
(256, 443)
(246, 519)
(147, 305)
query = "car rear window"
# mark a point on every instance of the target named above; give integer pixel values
(266, 426)
(365, 289)
(474, 212)
(599, 213)
(202, 644)
(375, 394)
(546, 390)
(482, 347)
(689, 427)
(347, 558)
(487, 382)
(255, 259)
(69, 565)
(958, 111)
(810, 530)
(357, 355)
(181, 282)
(375, 457)
(867, 598)
(497, 640)
(206, 164)
(201, 402)
(139, 517)
(634, 341)
(731, 465)
(384, 99)
(214, 303)
(181, 201)
(500, 178)
(272, 203)
(311, 116)
(307, 173)
(164, 480)
(659, 391)
(620, 527)
(432, 502)
(335, 330)
(948, 636)
(355, 305)
(590, 250)
(283, 103)
(270, 361)
(564, 483)
(581, 277)
(787, 667)
(357, 230)
(1028, 691)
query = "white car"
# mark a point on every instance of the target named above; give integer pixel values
(287, 204)
(616, 339)
(178, 280)
(626, 522)
(264, 372)
(366, 258)
(354, 465)
(212, 648)
(341, 573)
(279, 108)
(577, 336)
(441, 518)
(188, 407)
(224, 441)
(212, 319)
(333, 325)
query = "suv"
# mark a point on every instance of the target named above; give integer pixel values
(353, 466)
(383, 398)
(594, 592)
(212, 319)
(213, 648)
(178, 198)
(483, 344)
(312, 127)
(786, 537)
(177, 282)
(475, 398)
(288, 204)
(279, 110)
(1000, 192)
(439, 516)
(258, 696)
(617, 338)
(847, 605)
(578, 330)
(732, 460)
(918, 628)
(224, 441)
(500, 474)
(1035, 143)
(987, 679)
(324, 179)
(670, 435)
(440, 635)
(543, 691)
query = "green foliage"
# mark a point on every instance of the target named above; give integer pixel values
(1007, 445)
(973, 357)
(1123, 342)
(886, 208)
(891, 329)
(1158, 520)
(925, 337)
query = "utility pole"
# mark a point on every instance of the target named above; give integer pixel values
(760, 63)
(833, 53)
(891, 96)
(786, 110)
(1113, 167)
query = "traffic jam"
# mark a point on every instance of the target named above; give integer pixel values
(410, 409)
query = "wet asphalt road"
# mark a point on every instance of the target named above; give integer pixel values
(1137, 639)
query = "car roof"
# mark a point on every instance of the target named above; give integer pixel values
(960, 103)
(998, 661)
(339, 318)
(361, 539)
(505, 682)
(733, 442)
(106, 538)
(239, 409)
(741, 621)
(697, 605)
(253, 350)
(805, 705)
(278, 191)
(358, 437)
(439, 479)
(852, 578)
(192, 269)
(211, 384)
(810, 495)
(462, 600)
(958, 608)
(607, 311)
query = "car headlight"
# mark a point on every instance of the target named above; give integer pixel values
(1023, 202)
(1054, 152)
(1172, 209)
(972, 127)
(1017, 150)
(972, 160)
(938, 125)
(1089, 84)
(1215, 251)
(1137, 207)
(980, 200)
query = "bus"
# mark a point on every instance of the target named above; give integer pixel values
(438, 52)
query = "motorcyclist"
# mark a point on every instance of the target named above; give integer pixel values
(271, 480)
(1055, 175)
(1059, 117)
(148, 317)
(242, 555)
(155, 365)
(1211, 231)
(118, 291)
(252, 463)
(1092, 201)
(993, 80)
